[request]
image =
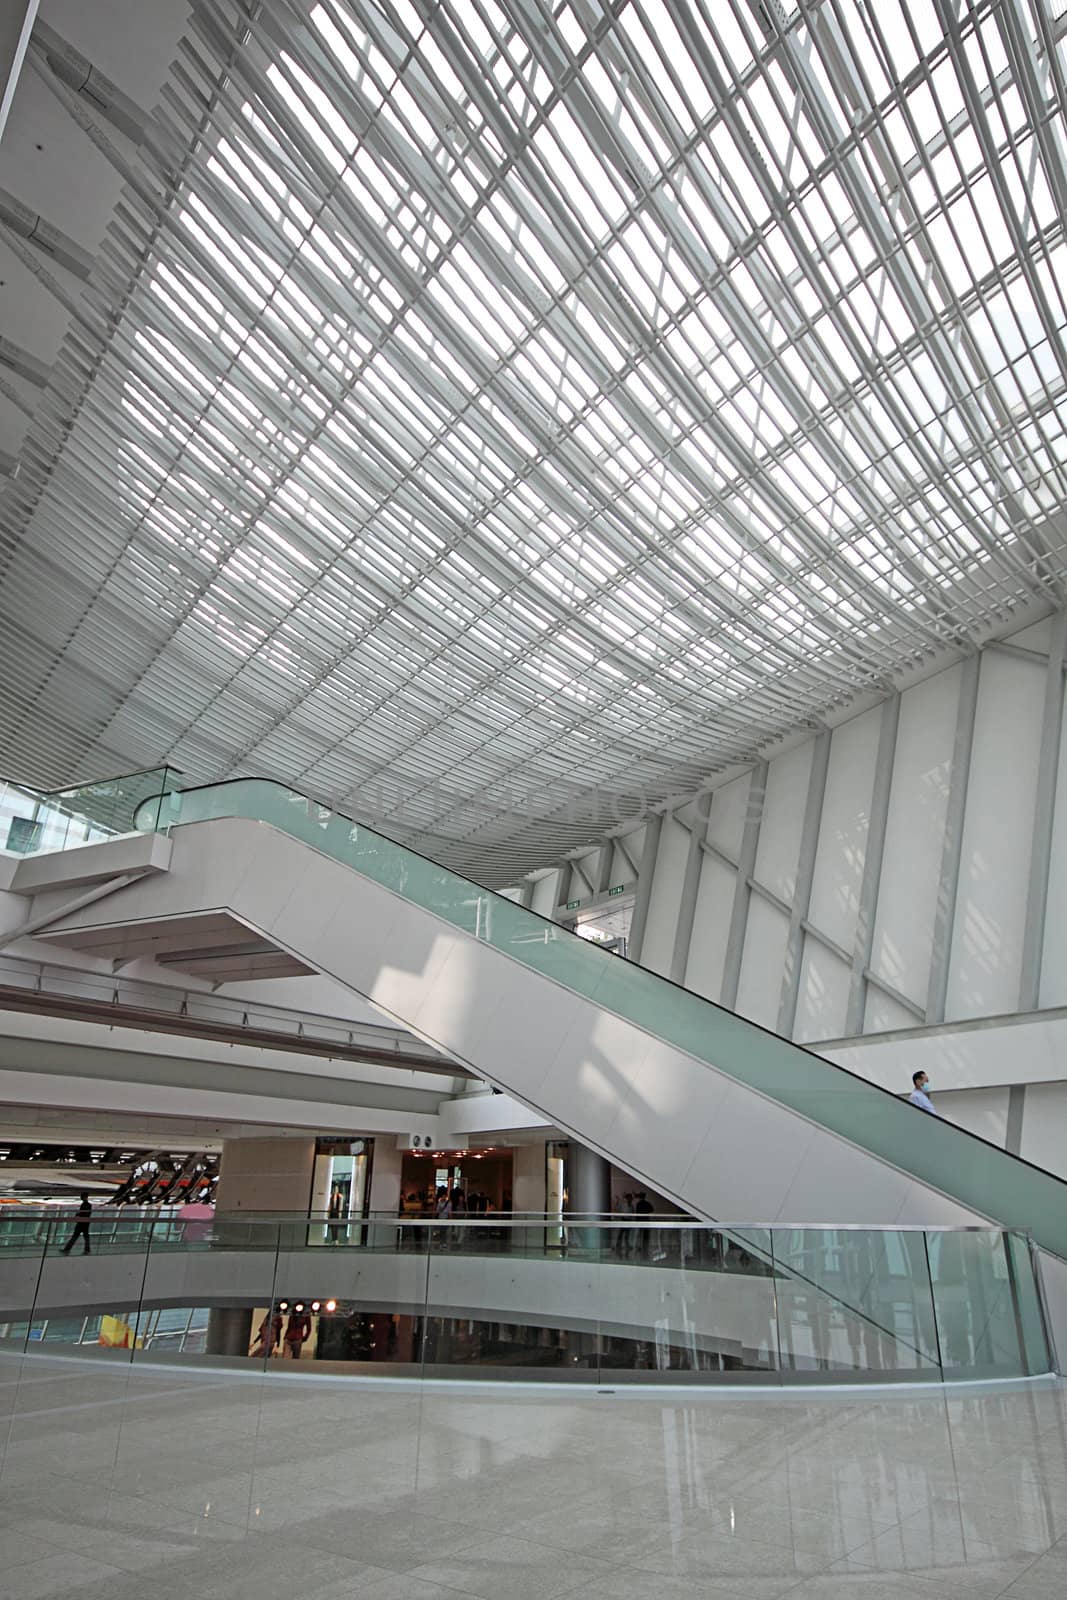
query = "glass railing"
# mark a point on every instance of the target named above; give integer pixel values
(35, 823)
(960, 1164)
(581, 1299)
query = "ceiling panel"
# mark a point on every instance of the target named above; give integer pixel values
(481, 414)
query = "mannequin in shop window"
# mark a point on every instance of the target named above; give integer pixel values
(297, 1332)
(335, 1214)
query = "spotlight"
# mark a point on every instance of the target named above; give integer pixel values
(283, 1305)
(299, 1306)
(331, 1305)
(315, 1305)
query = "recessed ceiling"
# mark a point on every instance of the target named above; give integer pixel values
(476, 414)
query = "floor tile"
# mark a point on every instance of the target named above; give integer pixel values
(59, 1574)
(507, 1568)
(396, 1540)
(340, 1492)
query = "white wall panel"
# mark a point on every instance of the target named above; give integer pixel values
(762, 964)
(711, 925)
(991, 906)
(783, 818)
(884, 1014)
(715, 901)
(835, 888)
(996, 842)
(981, 1111)
(1044, 1140)
(666, 894)
(911, 864)
(823, 998)
(728, 809)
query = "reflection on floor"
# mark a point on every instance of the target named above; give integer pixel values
(118, 1482)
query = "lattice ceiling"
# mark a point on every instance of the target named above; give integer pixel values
(480, 411)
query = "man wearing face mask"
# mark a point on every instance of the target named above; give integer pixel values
(918, 1096)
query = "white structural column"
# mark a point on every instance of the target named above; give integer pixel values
(649, 853)
(1044, 812)
(809, 841)
(872, 864)
(952, 846)
(735, 939)
(687, 906)
(588, 1181)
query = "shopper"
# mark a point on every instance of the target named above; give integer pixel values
(624, 1236)
(81, 1227)
(411, 1207)
(197, 1217)
(919, 1095)
(642, 1208)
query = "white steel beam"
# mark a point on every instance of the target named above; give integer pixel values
(17, 18)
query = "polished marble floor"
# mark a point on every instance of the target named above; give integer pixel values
(118, 1483)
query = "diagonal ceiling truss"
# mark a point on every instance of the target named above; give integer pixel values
(481, 412)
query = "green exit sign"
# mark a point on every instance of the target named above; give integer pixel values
(619, 887)
(572, 905)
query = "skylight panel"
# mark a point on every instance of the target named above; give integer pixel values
(411, 401)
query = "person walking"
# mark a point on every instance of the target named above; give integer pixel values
(642, 1208)
(81, 1227)
(624, 1236)
(920, 1084)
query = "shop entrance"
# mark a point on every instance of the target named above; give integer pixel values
(479, 1181)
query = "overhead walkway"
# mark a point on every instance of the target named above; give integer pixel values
(710, 1109)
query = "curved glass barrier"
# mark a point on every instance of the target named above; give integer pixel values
(960, 1164)
(35, 823)
(591, 1301)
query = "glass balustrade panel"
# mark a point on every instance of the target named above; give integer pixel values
(855, 1301)
(982, 1301)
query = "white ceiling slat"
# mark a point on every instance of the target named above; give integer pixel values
(484, 411)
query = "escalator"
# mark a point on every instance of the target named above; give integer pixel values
(726, 1118)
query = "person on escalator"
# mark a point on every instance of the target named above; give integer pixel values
(919, 1096)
